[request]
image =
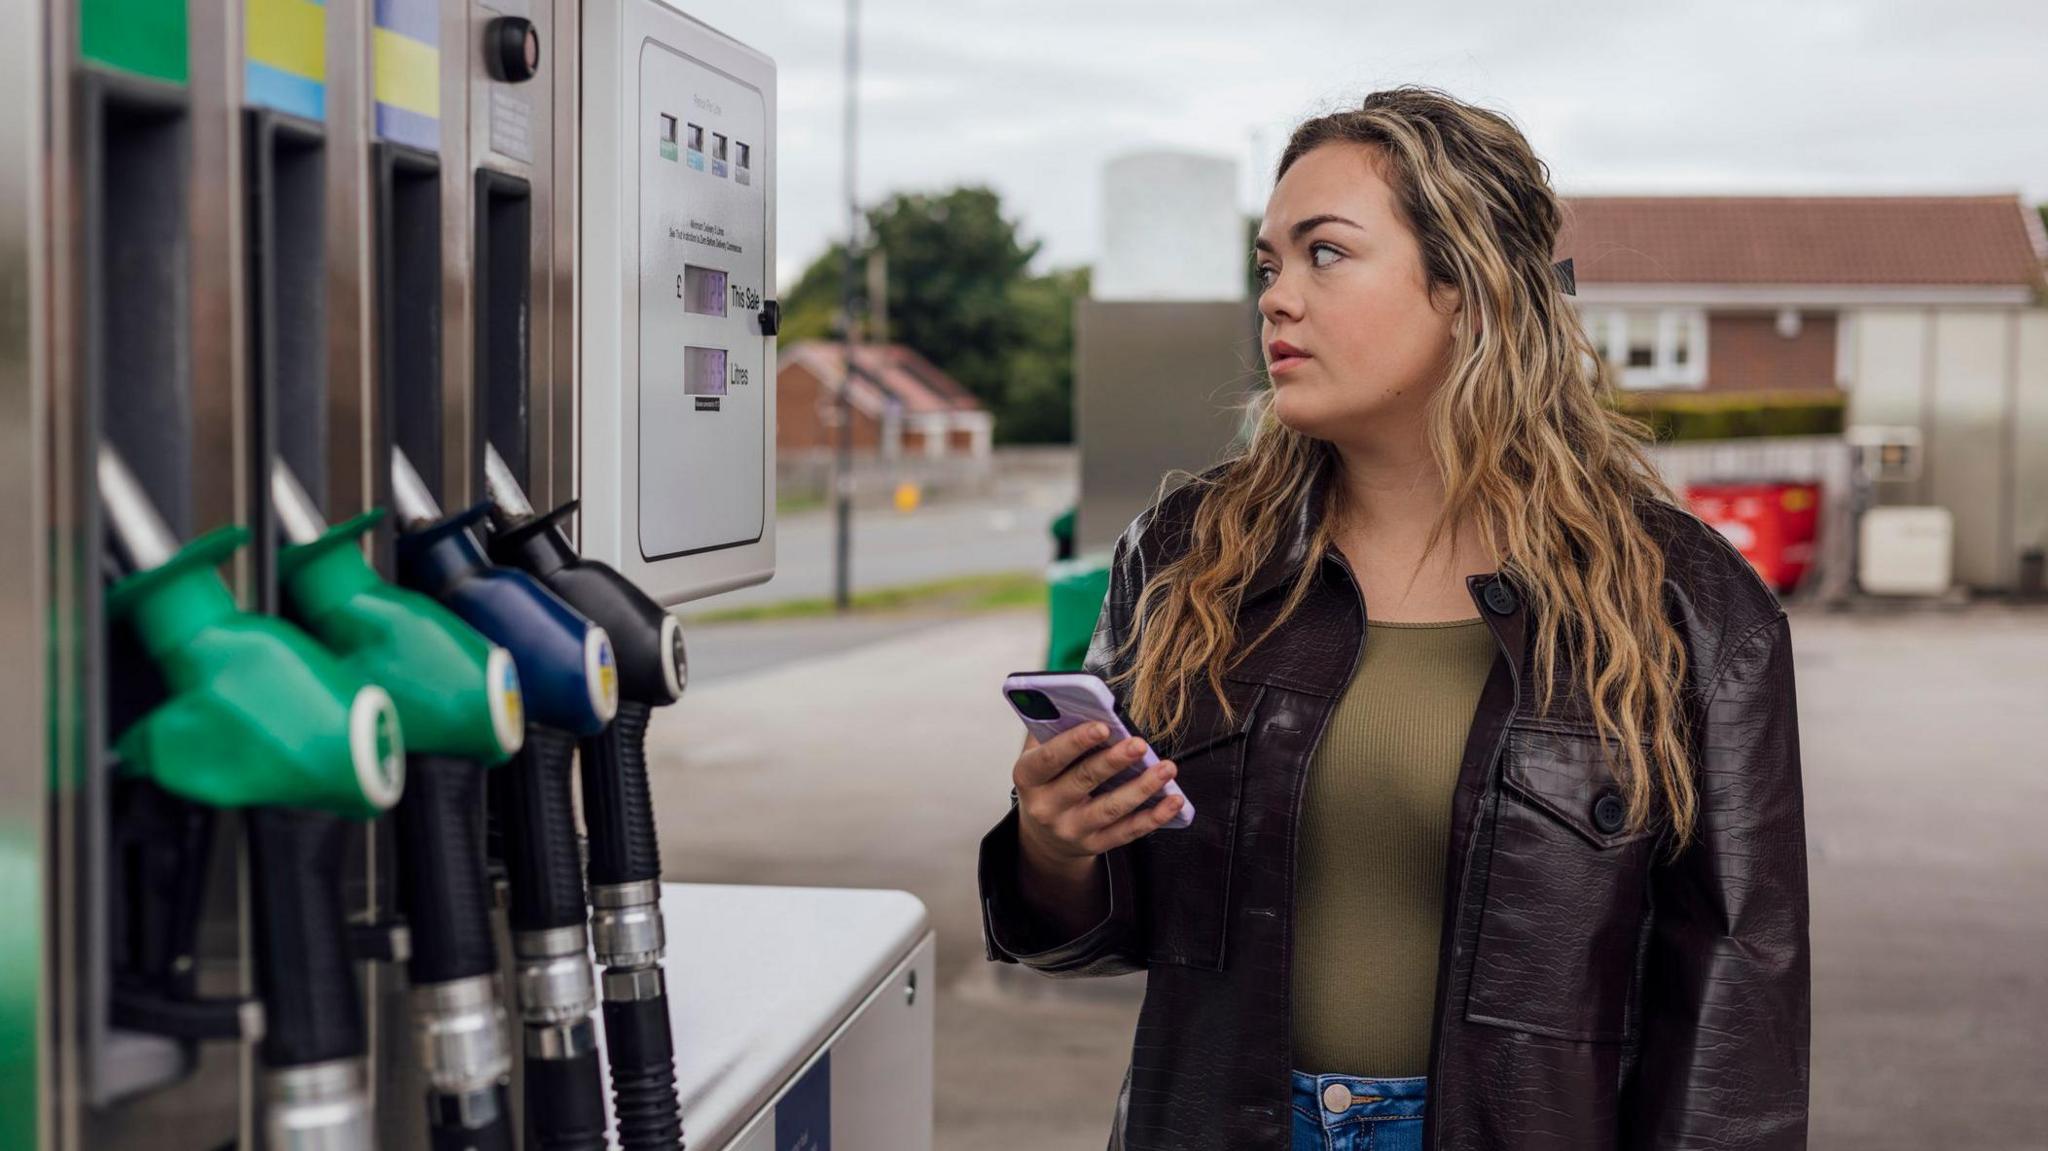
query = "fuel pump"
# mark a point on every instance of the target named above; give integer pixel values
(571, 683)
(625, 853)
(459, 698)
(260, 716)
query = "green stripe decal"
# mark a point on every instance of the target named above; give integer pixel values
(146, 37)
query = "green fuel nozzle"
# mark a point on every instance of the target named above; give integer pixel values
(457, 693)
(459, 698)
(258, 714)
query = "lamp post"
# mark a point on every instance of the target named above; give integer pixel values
(842, 510)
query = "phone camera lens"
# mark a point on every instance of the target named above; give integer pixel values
(1035, 704)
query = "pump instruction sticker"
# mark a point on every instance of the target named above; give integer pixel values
(803, 1117)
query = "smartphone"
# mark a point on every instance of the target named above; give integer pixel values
(1050, 702)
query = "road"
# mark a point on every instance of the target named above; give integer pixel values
(881, 761)
(1005, 532)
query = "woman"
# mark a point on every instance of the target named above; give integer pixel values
(1498, 838)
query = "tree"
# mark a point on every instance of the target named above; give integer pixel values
(1038, 401)
(960, 293)
(808, 308)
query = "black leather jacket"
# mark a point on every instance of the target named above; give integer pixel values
(1591, 994)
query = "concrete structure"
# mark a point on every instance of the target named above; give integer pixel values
(1166, 345)
(1926, 311)
(1172, 228)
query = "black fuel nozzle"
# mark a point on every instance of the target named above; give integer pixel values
(625, 854)
(569, 675)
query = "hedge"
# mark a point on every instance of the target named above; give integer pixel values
(1683, 416)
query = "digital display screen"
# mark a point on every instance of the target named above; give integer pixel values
(704, 371)
(703, 291)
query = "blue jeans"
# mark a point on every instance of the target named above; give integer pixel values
(1377, 1114)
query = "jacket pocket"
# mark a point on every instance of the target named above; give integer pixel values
(1184, 875)
(1564, 893)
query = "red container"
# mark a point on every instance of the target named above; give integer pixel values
(1773, 525)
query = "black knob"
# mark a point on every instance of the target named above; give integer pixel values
(1500, 598)
(512, 49)
(1609, 813)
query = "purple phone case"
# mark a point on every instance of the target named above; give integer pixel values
(1084, 698)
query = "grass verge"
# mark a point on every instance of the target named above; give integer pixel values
(996, 591)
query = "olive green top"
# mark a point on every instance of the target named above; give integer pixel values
(1375, 826)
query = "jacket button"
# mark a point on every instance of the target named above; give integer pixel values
(1499, 597)
(1337, 1097)
(1609, 813)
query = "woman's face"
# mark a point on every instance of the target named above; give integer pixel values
(1350, 336)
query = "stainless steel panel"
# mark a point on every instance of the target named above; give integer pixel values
(27, 1069)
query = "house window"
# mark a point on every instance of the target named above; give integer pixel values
(1664, 348)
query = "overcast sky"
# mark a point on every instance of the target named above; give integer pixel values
(1664, 96)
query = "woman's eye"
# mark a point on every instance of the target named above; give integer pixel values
(1316, 253)
(1265, 274)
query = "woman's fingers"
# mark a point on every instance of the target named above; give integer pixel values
(1123, 799)
(1137, 824)
(1041, 763)
(1098, 768)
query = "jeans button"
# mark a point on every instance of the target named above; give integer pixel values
(1337, 1097)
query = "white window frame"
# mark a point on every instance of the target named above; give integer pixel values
(1666, 372)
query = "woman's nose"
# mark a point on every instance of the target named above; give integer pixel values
(1280, 301)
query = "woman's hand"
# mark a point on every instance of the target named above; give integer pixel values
(1061, 827)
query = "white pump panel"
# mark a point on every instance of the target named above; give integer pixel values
(676, 468)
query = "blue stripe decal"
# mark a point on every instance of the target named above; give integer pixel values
(410, 128)
(276, 88)
(414, 19)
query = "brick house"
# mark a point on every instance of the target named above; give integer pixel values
(1926, 311)
(903, 405)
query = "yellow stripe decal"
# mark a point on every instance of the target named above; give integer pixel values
(408, 73)
(289, 35)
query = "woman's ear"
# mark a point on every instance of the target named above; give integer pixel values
(1449, 301)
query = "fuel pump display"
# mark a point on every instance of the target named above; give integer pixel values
(676, 261)
(703, 363)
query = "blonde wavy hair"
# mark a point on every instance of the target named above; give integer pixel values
(1523, 431)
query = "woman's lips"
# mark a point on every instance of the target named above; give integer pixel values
(1282, 357)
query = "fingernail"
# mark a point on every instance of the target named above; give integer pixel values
(1135, 746)
(1099, 731)
(1168, 770)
